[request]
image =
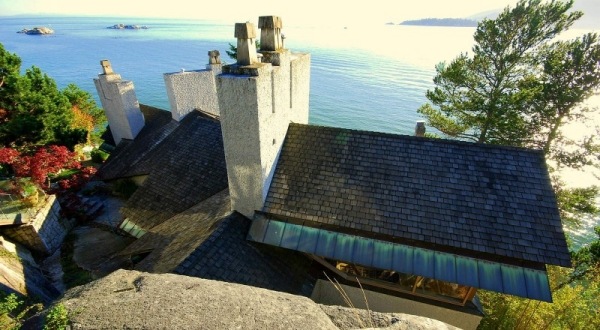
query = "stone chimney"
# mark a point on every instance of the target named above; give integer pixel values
(257, 103)
(246, 43)
(270, 33)
(194, 90)
(420, 128)
(120, 104)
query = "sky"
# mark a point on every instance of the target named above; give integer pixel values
(313, 12)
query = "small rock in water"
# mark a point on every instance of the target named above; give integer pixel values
(37, 31)
(127, 27)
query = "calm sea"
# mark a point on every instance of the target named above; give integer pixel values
(362, 77)
(372, 77)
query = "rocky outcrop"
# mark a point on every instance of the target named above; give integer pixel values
(353, 318)
(37, 31)
(127, 27)
(137, 300)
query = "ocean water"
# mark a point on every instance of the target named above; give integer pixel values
(362, 77)
(372, 77)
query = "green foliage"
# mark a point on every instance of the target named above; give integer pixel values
(576, 203)
(99, 156)
(13, 311)
(574, 306)
(506, 92)
(33, 111)
(520, 87)
(575, 295)
(586, 262)
(84, 102)
(232, 52)
(8, 305)
(57, 318)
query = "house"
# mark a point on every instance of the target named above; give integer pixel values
(235, 185)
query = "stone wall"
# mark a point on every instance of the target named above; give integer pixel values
(44, 231)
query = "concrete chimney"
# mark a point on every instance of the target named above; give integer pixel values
(194, 90)
(246, 43)
(257, 103)
(120, 104)
(270, 33)
(420, 128)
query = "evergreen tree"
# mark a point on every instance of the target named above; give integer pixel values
(490, 97)
(520, 87)
(33, 111)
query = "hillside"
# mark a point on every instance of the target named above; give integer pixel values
(590, 19)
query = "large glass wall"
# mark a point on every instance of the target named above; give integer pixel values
(407, 283)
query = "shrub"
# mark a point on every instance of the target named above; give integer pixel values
(13, 311)
(99, 156)
(77, 180)
(57, 318)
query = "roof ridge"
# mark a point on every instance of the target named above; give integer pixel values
(419, 138)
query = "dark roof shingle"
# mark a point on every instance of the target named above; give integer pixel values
(209, 241)
(125, 159)
(227, 256)
(479, 199)
(184, 161)
(185, 168)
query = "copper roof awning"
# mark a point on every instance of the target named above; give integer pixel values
(495, 276)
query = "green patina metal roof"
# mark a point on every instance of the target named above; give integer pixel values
(132, 229)
(494, 276)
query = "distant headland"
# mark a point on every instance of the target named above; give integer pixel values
(456, 22)
(37, 31)
(127, 27)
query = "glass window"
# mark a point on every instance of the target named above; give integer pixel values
(408, 283)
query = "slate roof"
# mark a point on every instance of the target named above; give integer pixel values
(227, 256)
(185, 168)
(184, 161)
(124, 161)
(476, 200)
(171, 242)
(208, 241)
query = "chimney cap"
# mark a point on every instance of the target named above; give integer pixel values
(270, 22)
(106, 67)
(214, 57)
(245, 31)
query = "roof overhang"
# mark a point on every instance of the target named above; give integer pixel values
(495, 276)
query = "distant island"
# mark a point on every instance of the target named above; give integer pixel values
(127, 27)
(458, 22)
(37, 31)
